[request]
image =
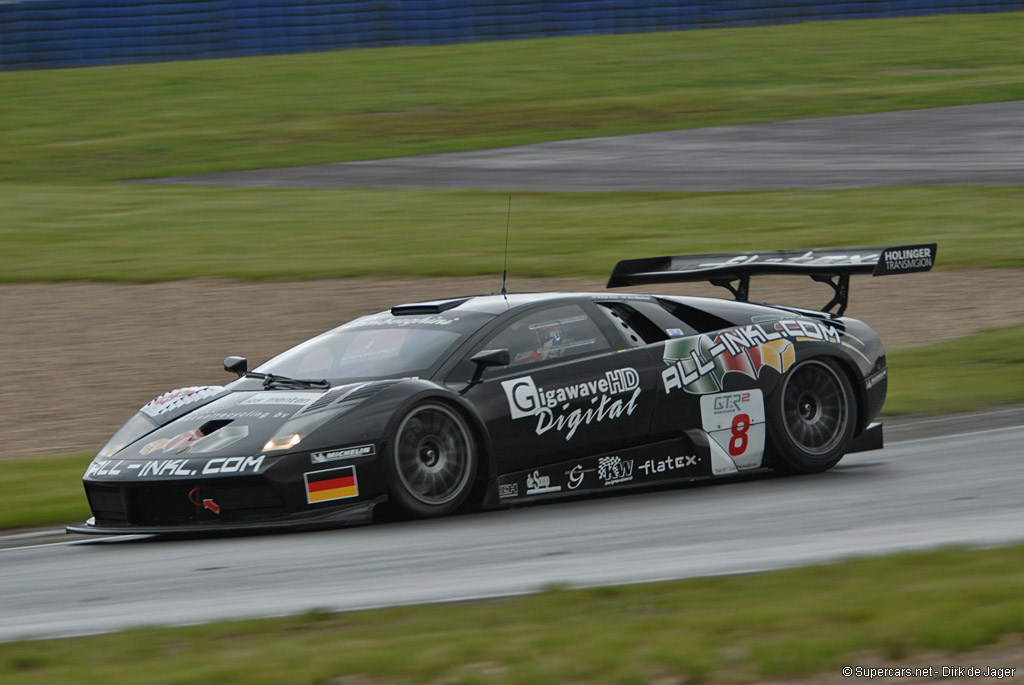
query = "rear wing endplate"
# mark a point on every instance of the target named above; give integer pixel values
(732, 270)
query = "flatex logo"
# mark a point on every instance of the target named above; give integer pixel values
(553, 406)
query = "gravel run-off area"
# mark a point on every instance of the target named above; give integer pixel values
(79, 358)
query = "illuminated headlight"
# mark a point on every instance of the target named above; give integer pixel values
(282, 442)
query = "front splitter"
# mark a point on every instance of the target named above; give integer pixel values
(352, 515)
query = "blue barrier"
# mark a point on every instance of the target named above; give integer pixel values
(62, 33)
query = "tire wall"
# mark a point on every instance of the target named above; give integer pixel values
(68, 33)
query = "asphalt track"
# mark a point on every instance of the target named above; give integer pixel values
(972, 144)
(961, 485)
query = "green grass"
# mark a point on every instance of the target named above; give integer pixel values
(105, 123)
(39, 491)
(729, 629)
(152, 233)
(959, 375)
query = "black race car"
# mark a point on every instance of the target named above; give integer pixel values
(501, 399)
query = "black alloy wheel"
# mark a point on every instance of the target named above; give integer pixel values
(433, 462)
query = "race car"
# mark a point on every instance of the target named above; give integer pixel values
(502, 399)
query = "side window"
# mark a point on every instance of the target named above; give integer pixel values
(634, 326)
(697, 319)
(553, 333)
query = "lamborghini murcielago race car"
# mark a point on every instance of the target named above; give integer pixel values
(502, 399)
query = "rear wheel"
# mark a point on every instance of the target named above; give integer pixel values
(812, 417)
(432, 462)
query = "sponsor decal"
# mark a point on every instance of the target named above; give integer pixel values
(344, 453)
(537, 484)
(176, 399)
(735, 422)
(195, 442)
(506, 490)
(292, 398)
(331, 484)
(877, 378)
(668, 464)
(208, 504)
(614, 470)
(203, 414)
(623, 296)
(672, 459)
(218, 440)
(165, 468)
(906, 259)
(698, 364)
(234, 465)
(675, 332)
(387, 319)
(576, 475)
(178, 444)
(809, 258)
(162, 467)
(552, 407)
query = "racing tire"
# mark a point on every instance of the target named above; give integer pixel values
(811, 417)
(432, 464)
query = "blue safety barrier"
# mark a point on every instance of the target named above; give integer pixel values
(65, 33)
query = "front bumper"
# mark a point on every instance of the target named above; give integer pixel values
(176, 495)
(344, 515)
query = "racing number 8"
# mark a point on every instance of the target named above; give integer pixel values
(738, 441)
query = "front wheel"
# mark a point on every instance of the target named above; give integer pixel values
(432, 462)
(811, 417)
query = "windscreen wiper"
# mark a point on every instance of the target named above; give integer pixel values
(273, 381)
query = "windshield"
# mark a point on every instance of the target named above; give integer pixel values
(377, 346)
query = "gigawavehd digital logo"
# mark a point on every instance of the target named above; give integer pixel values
(554, 408)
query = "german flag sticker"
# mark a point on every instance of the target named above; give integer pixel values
(331, 484)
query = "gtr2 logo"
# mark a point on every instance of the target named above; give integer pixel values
(735, 423)
(730, 402)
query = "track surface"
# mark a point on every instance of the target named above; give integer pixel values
(951, 488)
(972, 144)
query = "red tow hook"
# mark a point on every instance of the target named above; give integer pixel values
(208, 504)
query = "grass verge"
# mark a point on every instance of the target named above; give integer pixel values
(729, 629)
(131, 121)
(39, 491)
(151, 233)
(958, 375)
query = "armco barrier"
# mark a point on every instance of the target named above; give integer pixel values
(63, 33)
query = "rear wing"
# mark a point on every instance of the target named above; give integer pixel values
(833, 266)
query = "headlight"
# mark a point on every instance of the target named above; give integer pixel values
(133, 429)
(282, 442)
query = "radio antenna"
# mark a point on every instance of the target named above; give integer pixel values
(504, 268)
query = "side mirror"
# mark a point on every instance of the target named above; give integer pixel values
(487, 358)
(237, 365)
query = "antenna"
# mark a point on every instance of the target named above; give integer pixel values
(504, 269)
